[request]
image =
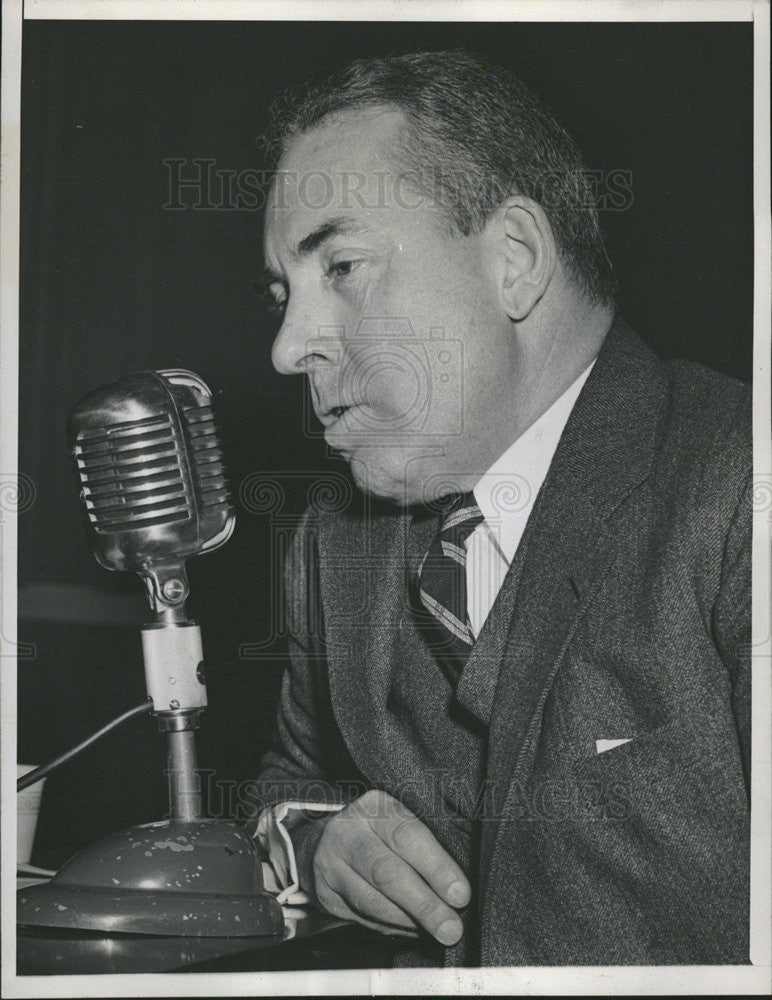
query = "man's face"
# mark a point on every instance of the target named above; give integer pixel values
(396, 323)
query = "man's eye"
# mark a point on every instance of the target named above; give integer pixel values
(274, 298)
(342, 268)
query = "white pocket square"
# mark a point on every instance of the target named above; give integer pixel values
(601, 746)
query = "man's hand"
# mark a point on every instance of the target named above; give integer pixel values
(375, 862)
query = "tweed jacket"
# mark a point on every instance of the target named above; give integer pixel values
(617, 712)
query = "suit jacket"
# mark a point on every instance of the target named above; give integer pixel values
(631, 622)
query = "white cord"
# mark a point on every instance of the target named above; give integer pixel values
(27, 869)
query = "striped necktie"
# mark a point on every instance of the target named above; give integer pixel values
(442, 587)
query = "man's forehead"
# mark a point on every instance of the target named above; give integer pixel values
(347, 152)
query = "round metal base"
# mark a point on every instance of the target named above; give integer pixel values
(200, 878)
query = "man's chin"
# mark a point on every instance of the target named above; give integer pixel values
(404, 481)
(379, 481)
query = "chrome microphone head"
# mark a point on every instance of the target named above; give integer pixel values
(153, 483)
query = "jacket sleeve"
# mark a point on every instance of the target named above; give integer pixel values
(732, 619)
(308, 761)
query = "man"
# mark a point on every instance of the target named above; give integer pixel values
(519, 689)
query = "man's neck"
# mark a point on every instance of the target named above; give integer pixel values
(556, 356)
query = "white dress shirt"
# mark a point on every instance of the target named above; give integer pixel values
(505, 496)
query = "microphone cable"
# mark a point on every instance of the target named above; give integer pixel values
(40, 772)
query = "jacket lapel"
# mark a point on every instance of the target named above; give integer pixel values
(367, 557)
(604, 454)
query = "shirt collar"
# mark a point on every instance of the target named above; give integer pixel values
(507, 491)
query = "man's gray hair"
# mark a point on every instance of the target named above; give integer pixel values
(475, 135)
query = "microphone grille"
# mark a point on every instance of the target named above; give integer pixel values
(131, 474)
(208, 470)
(153, 471)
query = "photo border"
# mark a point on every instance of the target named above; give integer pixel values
(573, 981)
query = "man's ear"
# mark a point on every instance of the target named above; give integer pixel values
(529, 254)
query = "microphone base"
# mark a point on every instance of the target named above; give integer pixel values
(189, 879)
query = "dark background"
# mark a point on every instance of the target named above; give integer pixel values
(112, 282)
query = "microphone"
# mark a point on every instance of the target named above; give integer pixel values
(154, 492)
(153, 483)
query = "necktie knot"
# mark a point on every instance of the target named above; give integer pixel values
(463, 517)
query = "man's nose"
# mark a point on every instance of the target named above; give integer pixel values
(303, 343)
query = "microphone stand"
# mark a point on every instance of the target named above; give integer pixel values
(191, 876)
(174, 673)
(184, 792)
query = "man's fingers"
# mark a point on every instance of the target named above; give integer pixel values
(398, 882)
(409, 838)
(401, 868)
(368, 904)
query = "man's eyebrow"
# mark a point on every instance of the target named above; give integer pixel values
(333, 227)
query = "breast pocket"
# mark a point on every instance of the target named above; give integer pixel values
(597, 709)
(680, 779)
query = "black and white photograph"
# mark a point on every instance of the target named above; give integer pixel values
(385, 499)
